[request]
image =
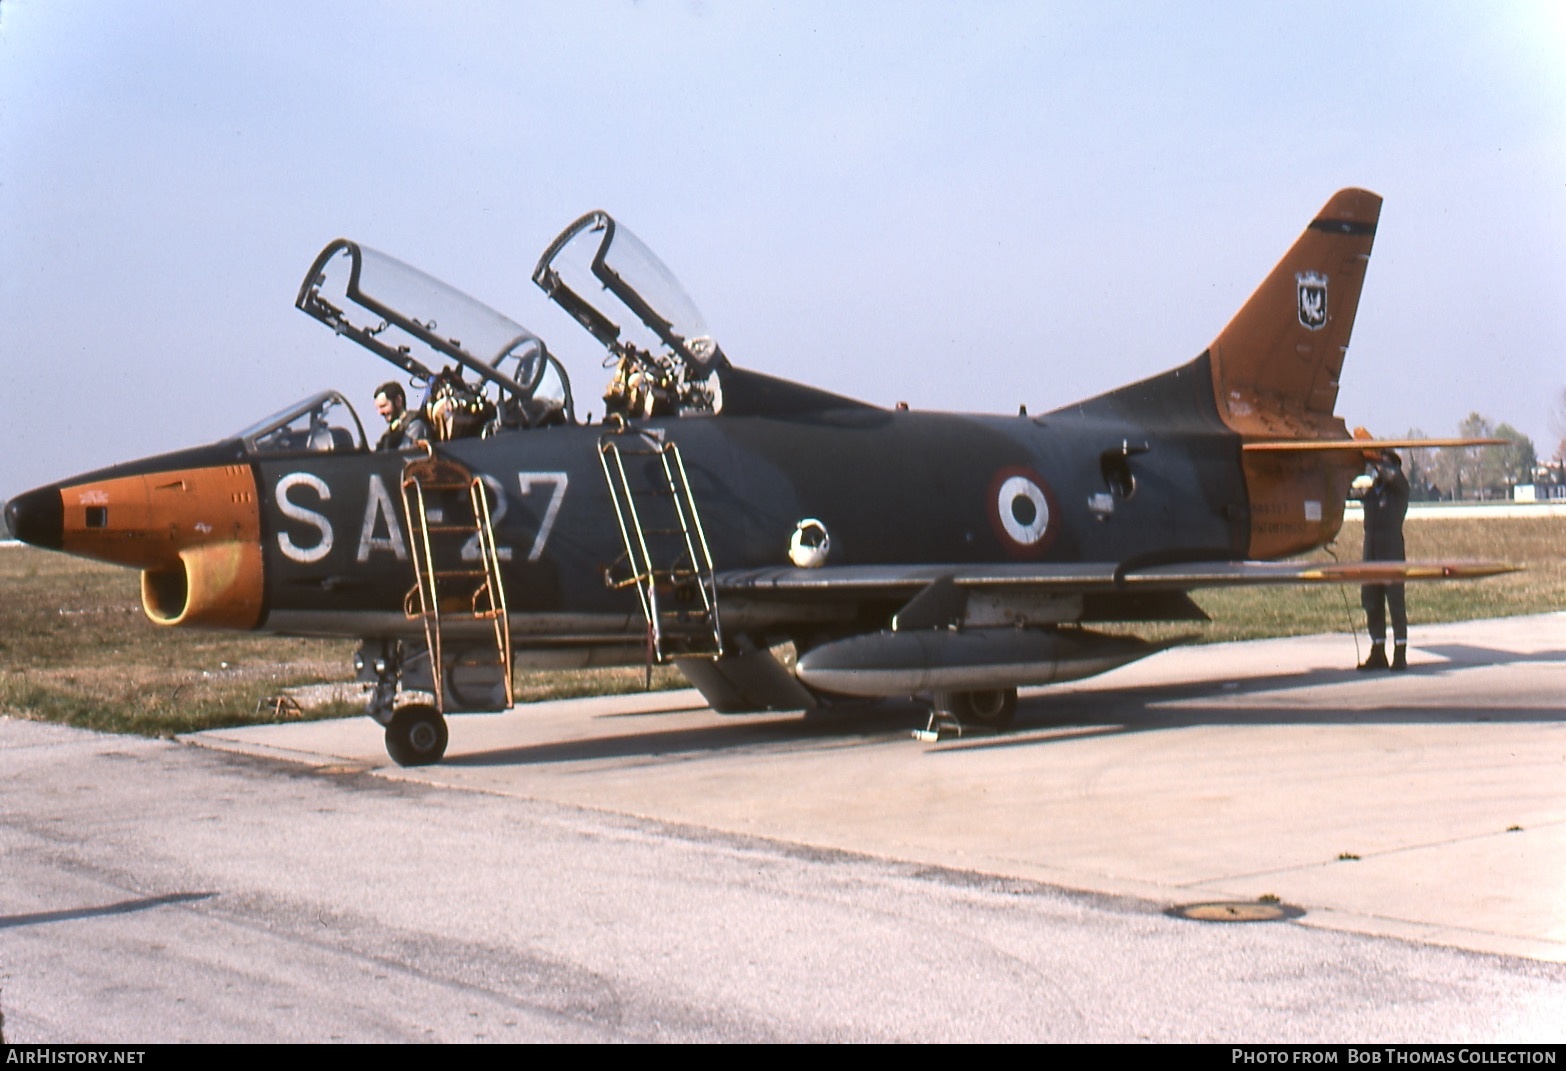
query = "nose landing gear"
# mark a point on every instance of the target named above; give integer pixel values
(416, 735)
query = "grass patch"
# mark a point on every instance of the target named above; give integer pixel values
(537, 686)
(76, 649)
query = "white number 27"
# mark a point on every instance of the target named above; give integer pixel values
(557, 481)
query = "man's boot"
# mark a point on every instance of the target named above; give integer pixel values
(1377, 659)
(1400, 656)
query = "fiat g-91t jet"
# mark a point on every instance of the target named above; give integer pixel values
(716, 514)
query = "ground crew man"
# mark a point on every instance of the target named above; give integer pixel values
(1384, 491)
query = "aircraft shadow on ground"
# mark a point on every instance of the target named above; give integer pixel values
(822, 729)
(124, 907)
(1052, 716)
(1459, 657)
(1047, 718)
(1464, 655)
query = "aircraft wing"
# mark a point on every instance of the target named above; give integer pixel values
(921, 651)
(893, 581)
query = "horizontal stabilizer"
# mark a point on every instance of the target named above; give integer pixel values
(1398, 572)
(1360, 445)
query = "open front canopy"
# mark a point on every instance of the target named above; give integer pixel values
(419, 324)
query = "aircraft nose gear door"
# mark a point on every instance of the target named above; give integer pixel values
(671, 566)
(458, 595)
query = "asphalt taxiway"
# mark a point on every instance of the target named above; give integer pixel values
(639, 867)
(1429, 804)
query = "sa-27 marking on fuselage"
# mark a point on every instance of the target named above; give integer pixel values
(382, 530)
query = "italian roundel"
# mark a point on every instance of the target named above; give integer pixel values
(1020, 511)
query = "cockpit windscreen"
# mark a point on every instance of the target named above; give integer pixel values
(323, 423)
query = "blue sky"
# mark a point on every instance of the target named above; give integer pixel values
(966, 206)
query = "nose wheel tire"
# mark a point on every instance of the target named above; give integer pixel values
(993, 709)
(416, 736)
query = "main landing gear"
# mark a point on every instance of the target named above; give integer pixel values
(953, 712)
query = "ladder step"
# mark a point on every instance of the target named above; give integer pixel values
(458, 617)
(427, 484)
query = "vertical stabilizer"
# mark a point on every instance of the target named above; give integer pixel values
(1276, 365)
(1275, 374)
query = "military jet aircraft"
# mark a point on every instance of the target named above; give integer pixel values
(717, 514)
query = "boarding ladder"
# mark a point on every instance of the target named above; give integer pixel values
(670, 564)
(458, 593)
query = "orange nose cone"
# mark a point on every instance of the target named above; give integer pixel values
(195, 534)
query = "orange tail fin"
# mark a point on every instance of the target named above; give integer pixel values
(1275, 377)
(1276, 364)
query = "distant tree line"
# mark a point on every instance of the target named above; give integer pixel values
(1558, 425)
(1474, 473)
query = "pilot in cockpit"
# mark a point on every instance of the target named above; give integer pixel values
(402, 427)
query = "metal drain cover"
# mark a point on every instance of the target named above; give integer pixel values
(1237, 911)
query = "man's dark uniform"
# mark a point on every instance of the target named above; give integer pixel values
(1386, 504)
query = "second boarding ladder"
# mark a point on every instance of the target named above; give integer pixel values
(670, 564)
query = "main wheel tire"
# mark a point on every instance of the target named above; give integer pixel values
(416, 736)
(992, 709)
